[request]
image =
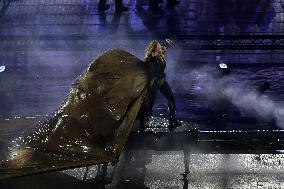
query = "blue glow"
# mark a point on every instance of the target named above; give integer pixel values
(2, 68)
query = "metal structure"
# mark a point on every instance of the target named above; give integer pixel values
(188, 42)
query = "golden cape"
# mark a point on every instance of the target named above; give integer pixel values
(92, 124)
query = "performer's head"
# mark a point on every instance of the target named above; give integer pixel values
(154, 49)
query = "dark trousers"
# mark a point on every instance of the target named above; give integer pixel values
(118, 3)
(154, 4)
(163, 86)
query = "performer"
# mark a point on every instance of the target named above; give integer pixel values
(156, 63)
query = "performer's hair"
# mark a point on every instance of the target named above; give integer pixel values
(150, 49)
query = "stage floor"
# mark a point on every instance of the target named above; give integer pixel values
(208, 162)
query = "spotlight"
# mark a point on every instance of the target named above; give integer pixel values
(2, 68)
(224, 69)
(223, 65)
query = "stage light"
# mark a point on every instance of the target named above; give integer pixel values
(2, 68)
(223, 65)
(224, 69)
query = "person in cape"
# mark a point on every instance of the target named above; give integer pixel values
(156, 64)
(94, 121)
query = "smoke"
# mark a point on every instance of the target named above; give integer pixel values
(237, 92)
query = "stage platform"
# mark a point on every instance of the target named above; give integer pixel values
(186, 154)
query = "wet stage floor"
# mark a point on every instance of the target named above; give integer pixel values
(141, 168)
(165, 171)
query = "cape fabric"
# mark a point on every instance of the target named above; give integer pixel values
(93, 123)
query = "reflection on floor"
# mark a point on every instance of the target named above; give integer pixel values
(165, 170)
(195, 167)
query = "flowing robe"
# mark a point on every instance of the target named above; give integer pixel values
(92, 124)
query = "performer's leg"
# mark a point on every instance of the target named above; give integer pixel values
(119, 7)
(172, 3)
(139, 4)
(143, 114)
(168, 93)
(102, 2)
(153, 5)
(102, 5)
(152, 97)
(118, 3)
